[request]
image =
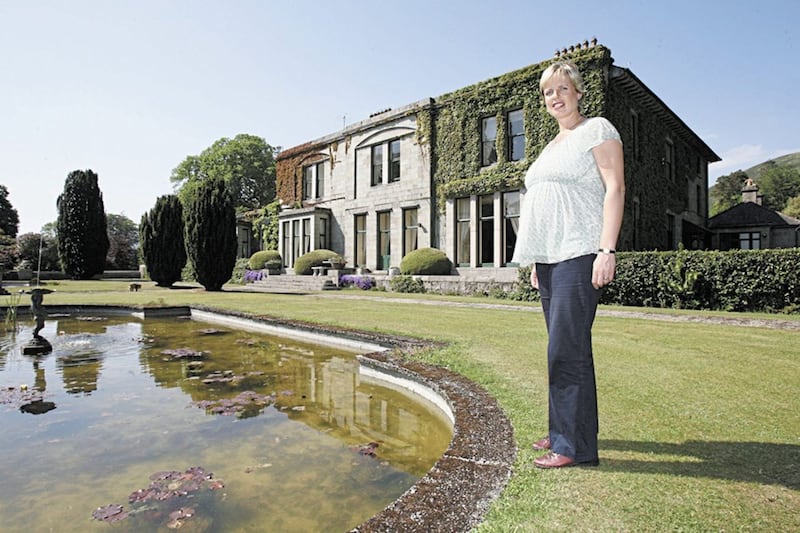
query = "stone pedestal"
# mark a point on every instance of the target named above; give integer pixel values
(37, 346)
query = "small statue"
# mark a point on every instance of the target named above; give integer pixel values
(38, 345)
(37, 297)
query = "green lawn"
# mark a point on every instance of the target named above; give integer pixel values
(699, 423)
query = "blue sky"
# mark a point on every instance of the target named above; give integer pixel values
(130, 88)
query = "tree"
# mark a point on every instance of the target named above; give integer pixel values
(123, 239)
(778, 184)
(29, 246)
(792, 208)
(246, 163)
(9, 218)
(162, 240)
(727, 192)
(211, 233)
(81, 226)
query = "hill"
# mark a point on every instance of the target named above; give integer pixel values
(788, 160)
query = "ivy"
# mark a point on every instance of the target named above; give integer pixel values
(457, 165)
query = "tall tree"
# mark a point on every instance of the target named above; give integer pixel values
(727, 192)
(246, 163)
(778, 184)
(123, 240)
(81, 226)
(9, 218)
(161, 235)
(211, 234)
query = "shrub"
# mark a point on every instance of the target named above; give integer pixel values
(210, 233)
(81, 226)
(426, 262)
(259, 259)
(736, 280)
(161, 237)
(362, 282)
(409, 284)
(304, 263)
(239, 271)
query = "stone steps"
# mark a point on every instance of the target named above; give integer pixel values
(292, 283)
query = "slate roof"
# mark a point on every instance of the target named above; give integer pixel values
(750, 214)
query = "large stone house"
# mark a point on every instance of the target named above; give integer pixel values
(447, 172)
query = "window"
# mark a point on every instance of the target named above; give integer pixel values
(750, 240)
(516, 136)
(322, 233)
(510, 224)
(394, 161)
(287, 250)
(308, 182)
(377, 165)
(295, 240)
(699, 201)
(306, 235)
(670, 231)
(669, 160)
(635, 134)
(319, 189)
(361, 240)
(462, 231)
(488, 141)
(410, 230)
(486, 203)
(384, 239)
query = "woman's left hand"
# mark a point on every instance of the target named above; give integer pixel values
(603, 269)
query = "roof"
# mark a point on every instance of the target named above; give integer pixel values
(750, 214)
(627, 79)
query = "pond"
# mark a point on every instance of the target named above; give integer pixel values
(158, 424)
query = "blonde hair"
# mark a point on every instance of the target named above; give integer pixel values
(566, 68)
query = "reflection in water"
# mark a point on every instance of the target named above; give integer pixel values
(128, 407)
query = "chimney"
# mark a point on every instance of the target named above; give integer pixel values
(750, 192)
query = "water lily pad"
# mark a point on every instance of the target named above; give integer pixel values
(110, 513)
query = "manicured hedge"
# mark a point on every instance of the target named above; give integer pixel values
(259, 259)
(304, 263)
(426, 262)
(736, 280)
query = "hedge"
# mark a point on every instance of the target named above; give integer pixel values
(736, 280)
(426, 262)
(304, 264)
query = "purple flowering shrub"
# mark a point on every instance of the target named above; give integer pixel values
(362, 282)
(253, 275)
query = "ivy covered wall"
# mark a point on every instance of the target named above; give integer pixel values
(458, 116)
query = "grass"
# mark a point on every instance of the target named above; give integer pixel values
(699, 423)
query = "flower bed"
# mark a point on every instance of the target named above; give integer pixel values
(354, 280)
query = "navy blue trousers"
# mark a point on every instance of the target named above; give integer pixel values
(569, 302)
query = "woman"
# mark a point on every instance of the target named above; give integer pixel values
(569, 224)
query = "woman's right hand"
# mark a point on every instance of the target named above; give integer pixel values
(534, 278)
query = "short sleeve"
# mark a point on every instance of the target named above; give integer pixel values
(599, 131)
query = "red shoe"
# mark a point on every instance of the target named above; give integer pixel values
(542, 444)
(553, 460)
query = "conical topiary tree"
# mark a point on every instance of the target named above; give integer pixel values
(161, 238)
(210, 226)
(81, 226)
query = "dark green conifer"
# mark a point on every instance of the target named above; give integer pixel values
(81, 226)
(161, 236)
(210, 224)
